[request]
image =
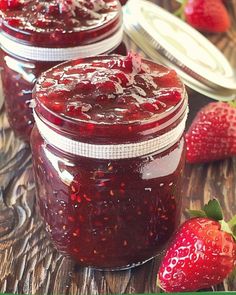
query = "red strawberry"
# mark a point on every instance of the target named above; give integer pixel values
(201, 254)
(212, 135)
(205, 15)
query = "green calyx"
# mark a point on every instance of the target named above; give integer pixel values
(213, 211)
(180, 11)
(232, 103)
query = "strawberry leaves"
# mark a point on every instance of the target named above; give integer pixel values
(196, 213)
(180, 11)
(232, 225)
(213, 210)
(232, 103)
(225, 227)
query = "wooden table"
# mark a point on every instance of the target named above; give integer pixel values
(29, 263)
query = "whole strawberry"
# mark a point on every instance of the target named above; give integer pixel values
(205, 15)
(212, 134)
(201, 254)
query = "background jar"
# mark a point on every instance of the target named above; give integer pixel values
(109, 194)
(37, 35)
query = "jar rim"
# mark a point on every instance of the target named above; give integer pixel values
(69, 125)
(80, 130)
(181, 106)
(79, 61)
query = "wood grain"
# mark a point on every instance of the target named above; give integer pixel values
(28, 262)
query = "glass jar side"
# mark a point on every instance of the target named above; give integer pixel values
(108, 213)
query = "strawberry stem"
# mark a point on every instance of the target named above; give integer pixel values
(232, 103)
(211, 210)
(232, 226)
(226, 228)
(232, 222)
(180, 12)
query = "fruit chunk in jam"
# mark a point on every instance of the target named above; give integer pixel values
(54, 23)
(109, 213)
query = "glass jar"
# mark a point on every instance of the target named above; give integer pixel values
(108, 157)
(36, 35)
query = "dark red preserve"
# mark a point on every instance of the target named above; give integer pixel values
(108, 157)
(38, 34)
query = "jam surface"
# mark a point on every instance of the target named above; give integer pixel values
(110, 90)
(57, 21)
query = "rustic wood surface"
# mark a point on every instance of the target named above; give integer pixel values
(29, 263)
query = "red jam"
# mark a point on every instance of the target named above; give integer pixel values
(48, 24)
(109, 213)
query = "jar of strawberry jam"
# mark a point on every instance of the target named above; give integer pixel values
(38, 34)
(108, 157)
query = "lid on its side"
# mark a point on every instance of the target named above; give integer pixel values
(169, 40)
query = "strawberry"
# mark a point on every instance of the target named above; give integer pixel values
(201, 254)
(212, 134)
(205, 15)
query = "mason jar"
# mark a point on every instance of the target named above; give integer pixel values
(36, 35)
(108, 155)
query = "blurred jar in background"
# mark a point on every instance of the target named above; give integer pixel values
(36, 35)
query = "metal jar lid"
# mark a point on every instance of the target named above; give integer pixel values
(170, 41)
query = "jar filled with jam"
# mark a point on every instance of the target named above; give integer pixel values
(108, 154)
(38, 34)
